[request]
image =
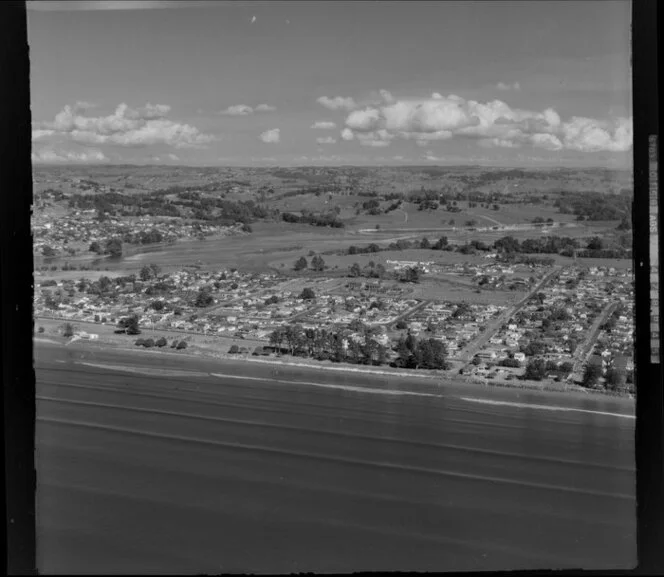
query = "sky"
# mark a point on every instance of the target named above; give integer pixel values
(494, 83)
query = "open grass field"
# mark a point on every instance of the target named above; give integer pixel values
(272, 245)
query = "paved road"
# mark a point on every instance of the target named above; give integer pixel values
(494, 326)
(584, 349)
(177, 468)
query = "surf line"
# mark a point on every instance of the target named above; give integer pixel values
(328, 386)
(544, 407)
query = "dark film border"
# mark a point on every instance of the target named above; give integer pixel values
(16, 322)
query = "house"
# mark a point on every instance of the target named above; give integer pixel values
(521, 357)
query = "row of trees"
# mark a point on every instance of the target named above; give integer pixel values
(361, 347)
(111, 247)
(329, 219)
(317, 263)
(160, 343)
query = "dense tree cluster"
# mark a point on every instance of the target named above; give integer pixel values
(595, 205)
(420, 354)
(329, 219)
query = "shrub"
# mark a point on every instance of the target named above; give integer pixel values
(40, 330)
(161, 342)
(402, 325)
(234, 350)
(181, 345)
(68, 330)
(147, 343)
(139, 342)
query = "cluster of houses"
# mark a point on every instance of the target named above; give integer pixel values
(451, 325)
(80, 228)
(579, 296)
(561, 318)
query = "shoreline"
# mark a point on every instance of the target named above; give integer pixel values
(195, 351)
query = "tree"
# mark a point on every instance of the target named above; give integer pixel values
(157, 305)
(148, 343)
(129, 325)
(441, 243)
(591, 374)
(181, 345)
(595, 243)
(425, 243)
(48, 251)
(234, 350)
(156, 270)
(68, 330)
(317, 263)
(355, 270)
(615, 379)
(307, 294)
(161, 342)
(535, 369)
(624, 224)
(114, 247)
(146, 273)
(430, 354)
(203, 299)
(300, 264)
(95, 247)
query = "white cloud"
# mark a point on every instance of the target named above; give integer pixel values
(51, 156)
(324, 125)
(271, 136)
(337, 103)
(326, 140)
(365, 119)
(125, 127)
(547, 141)
(387, 96)
(246, 110)
(492, 123)
(347, 134)
(589, 135)
(40, 134)
(84, 105)
(173, 157)
(238, 110)
(500, 143)
(503, 86)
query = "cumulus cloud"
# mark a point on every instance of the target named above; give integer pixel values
(271, 136)
(124, 127)
(337, 103)
(51, 156)
(589, 135)
(326, 140)
(503, 86)
(347, 134)
(238, 110)
(492, 124)
(246, 110)
(324, 125)
(40, 134)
